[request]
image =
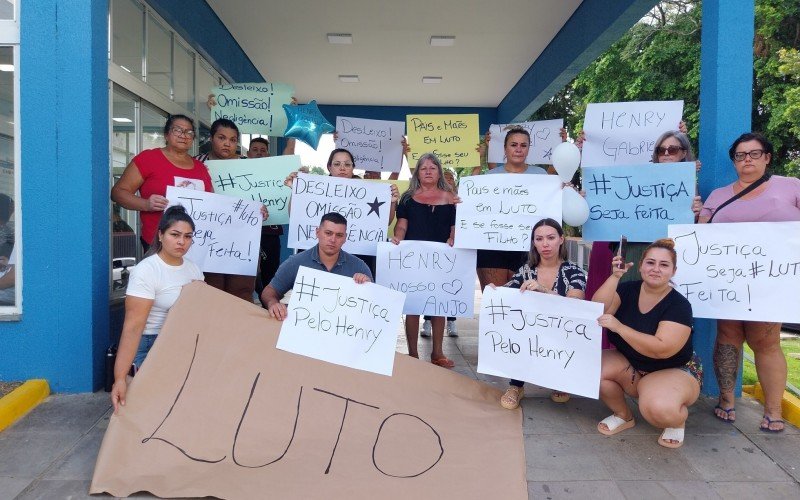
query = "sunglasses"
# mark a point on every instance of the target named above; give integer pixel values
(669, 150)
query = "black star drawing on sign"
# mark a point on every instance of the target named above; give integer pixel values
(375, 206)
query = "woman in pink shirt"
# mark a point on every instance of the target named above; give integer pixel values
(775, 199)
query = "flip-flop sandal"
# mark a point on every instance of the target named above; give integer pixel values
(443, 362)
(770, 422)
(615, 425)
(673, 434)
(727, 412)
(559, 397)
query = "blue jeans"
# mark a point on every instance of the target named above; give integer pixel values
(144, 347)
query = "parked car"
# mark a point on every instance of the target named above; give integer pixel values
(119, 271)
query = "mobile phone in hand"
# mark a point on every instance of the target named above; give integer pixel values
(622, 252)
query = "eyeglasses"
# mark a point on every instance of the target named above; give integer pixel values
(754, 154)
(669, 150)
(340, 164)
(182, 132)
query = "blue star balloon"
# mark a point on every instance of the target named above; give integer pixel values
(306, 123)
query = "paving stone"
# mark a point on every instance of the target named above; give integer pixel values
(571, 457)
(666, 490)
(783, 449)
(58, 488)
(29, 453)
(640, 458)
(11, 486)
(78, 412)
(542, 416)
(732, 490)
(730, 458)
(555, 490)
(79, 462)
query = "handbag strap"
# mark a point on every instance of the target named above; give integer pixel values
(764, 178)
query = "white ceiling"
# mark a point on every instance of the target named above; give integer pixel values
(496, 42)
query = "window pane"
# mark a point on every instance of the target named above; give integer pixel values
(184, 77)
(124, 239)
(128, 31)
(153, 120)
(159, 57)
(8, 258)
(206, 80)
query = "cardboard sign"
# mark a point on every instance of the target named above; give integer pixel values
(335, 319)
(218, 411)
(364, 204)
(227, 231)
(376, 145)
(748, 270)
(452, 138)
(625, 133)
(547, 340)
(639, 201)
(497, 212)
(258, 179)
(545, 135)
(256, 108)
(437, 279)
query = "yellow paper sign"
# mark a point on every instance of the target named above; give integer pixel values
(453, 138)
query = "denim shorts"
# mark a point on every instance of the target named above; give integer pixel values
(144, 347)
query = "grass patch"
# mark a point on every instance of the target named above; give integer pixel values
(749, 376)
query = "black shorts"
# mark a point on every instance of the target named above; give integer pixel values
(501, 259)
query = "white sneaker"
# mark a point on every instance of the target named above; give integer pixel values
(426, 329)
(452, 330)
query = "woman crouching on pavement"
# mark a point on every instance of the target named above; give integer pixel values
(650, 324)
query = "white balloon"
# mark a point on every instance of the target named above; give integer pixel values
(574, 209)
(566, 159)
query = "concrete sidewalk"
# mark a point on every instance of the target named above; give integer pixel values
(50, 453)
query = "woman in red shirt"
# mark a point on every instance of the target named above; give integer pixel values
(152, 170)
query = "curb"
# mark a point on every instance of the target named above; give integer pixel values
(21, 400)
(790, 406)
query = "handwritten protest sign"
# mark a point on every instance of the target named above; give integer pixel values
(746, 271)
(211, 414)
(452, 138)
(625, 133)
(376, 145)
(547, 340)
(259, 179)
(227, 231)
(639, 201)
(545, 135)
(437, 279)
(256, 108)
(335, 319)
(402, 187)
(364, 204)
(497, 212)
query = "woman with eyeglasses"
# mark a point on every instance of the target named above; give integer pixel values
(341, 164)
(152, 170)
(756, 196)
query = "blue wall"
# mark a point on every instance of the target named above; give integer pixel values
(726, 97)
(64, 206)
(199, 25)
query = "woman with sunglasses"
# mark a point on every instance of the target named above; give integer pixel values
(152, 170)
(756, 196)
(673, 146)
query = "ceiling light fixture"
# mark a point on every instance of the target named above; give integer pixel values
(442, 41)
(348, 78)
(431, 79)
(340, 38)
(122, 120)
(126, 69)
(6, 67)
